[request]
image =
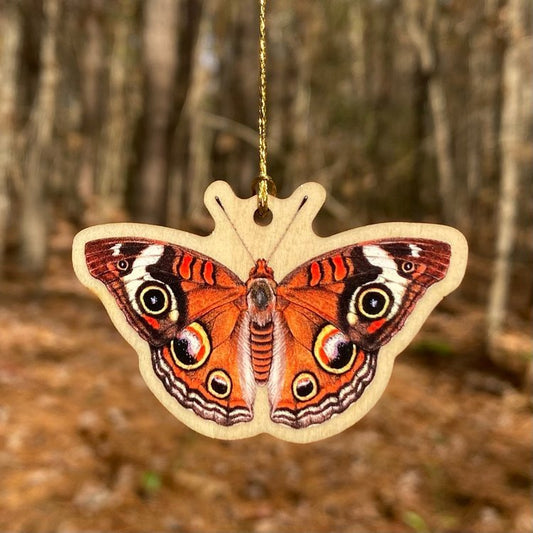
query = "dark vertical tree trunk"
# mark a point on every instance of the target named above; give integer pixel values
(239, 91)
(10, 31)
(160, 58)
(298, 165)
(512, 139)
(178, 190)
(92, 66)
(35, 203)
(421, 18)
(199, 102)
(356, 39)
(118, 120)
(418, 194)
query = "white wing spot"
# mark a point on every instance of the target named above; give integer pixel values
(415, 250)
(116, 249)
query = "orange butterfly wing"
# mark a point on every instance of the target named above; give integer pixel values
(191, 311)
(335, 313)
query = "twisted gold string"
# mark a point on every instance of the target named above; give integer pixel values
(264, 185)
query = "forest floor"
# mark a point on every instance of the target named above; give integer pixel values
(84, 446)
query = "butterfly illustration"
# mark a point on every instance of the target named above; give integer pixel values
(312, 339)
(310, 342)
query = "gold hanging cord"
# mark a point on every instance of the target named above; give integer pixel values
(263, 185)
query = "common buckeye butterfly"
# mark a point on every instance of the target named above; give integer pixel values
(217, 345)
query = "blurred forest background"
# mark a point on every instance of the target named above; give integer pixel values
(412, 110)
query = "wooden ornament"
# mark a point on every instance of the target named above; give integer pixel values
(270, 328)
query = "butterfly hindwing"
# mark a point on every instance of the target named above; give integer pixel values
(308, 388)
(219, 390)
(338, 310)
(190, 310)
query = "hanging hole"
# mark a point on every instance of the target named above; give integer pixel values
(263, 219)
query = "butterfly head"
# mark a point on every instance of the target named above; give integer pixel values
(261, 270)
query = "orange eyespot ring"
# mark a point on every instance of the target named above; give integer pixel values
(334, 351)
(304, 386)
(373, 302)
(191, 348)
(219, 384)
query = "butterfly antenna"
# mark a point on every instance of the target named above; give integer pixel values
(217, 199)
(276, 246)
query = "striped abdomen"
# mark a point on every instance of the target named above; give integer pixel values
(261, 338)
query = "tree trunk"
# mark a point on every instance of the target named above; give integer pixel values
(420, 26)
(118, 123)
(481, 108)
(356, 39)
(178, 193)
(92, 63)
(443, 148)
(160, 56)
(239, 91)
(34, 223)
(198, 103)
(511, 141)
(417, 191)
(9, 50)
(489, 121)
(298, 165)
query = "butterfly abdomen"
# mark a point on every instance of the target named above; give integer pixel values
(261, 338)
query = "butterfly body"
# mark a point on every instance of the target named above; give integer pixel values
(261, 299)
(227, 349)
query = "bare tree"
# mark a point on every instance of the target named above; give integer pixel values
(9, 56)
(480, 111)
(91, 73)
(190, 18)
(303, 37)
(119, 117)
(199, 102)
(34, 219)
(512, 138)
(356, 40)
(160, 56)
(421, 17)
(238, 88)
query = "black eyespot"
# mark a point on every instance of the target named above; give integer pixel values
(408, 267)
(343, 355)
(219, 384)
(191, 348)
(373, 302)
(123, 265)
(154, 299)
(304, 386)
(333, 350)
(181, 353)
